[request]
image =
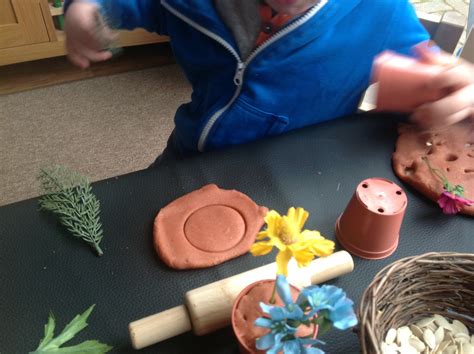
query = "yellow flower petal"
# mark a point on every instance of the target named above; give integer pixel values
(303, 258)
(282, 260)
(309, 234)
(272, 219)
(260, 248)
(301, 217)
(323, 248)
(261, 235)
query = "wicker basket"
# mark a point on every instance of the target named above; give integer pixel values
(413, 288)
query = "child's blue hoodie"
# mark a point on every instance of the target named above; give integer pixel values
(315, 69)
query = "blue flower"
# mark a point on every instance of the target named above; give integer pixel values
(331, 302)
(283, 324)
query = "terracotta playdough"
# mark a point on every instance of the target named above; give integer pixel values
(247, 309)
(450, 150)
(206, 227)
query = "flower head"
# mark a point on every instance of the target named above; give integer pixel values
(285, 233)
(328, 302)
(452, 203)
(452, 199)
(283, 323)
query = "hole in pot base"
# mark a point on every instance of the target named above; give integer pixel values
(383, 196)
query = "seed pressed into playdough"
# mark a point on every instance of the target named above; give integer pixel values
(206, 227)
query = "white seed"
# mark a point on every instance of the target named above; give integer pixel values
(439, 335)
(403, 333)
(416, 331)
(472, 339)
(441, 321)
(462, 335)
(391, 335)
(424, 322)
(467, 348)
(450, 349)
(461, 338)
(461, 327)
(449, 327)
(389, 348)
(408, 349)
(416, 343)
(442, 346)
(432, 326)
(429, 338)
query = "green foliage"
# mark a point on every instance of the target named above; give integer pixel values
(69, 196)
(52, 345)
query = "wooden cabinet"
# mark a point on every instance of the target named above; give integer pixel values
(28, 32)
(21, 23)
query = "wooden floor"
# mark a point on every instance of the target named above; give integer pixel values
(46, 72)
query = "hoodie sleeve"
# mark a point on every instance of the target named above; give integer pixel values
(130, 14)
(405, 29)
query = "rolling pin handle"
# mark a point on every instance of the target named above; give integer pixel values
(159, 327)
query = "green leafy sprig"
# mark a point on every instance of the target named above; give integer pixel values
(69, 196)
(49, 344)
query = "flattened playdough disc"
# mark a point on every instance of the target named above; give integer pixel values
(206, 227)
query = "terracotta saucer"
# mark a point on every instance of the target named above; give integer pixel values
(206, 227)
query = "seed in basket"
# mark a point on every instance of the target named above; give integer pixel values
(403, 333)
(425, 322)
(416, 331)
(416, 343)
(452, 349)
(442, 346)
(461, 338)
(441, 321)
(467, 348)
(391, 335)
(461, 327)
(429, 338)
(390, 348)
(439, 335)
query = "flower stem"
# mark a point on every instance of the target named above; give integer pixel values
(436, 172)
(273, 297)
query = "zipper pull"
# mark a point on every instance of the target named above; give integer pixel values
(239, 74)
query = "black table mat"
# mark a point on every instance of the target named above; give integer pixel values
(43, 269)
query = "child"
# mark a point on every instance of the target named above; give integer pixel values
(260, 68)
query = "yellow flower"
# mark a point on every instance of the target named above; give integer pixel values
(284, 232)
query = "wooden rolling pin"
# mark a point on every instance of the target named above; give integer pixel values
(209, 307)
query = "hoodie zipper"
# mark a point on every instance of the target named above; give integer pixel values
(241, 65)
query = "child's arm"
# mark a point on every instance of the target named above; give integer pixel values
(457, 80)
(406, 32)
(86, 39)
(127, 14)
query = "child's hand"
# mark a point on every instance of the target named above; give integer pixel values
(457, 80)
(86, 36)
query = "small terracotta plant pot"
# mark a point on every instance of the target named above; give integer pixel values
(370, 225)
(247, 309)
